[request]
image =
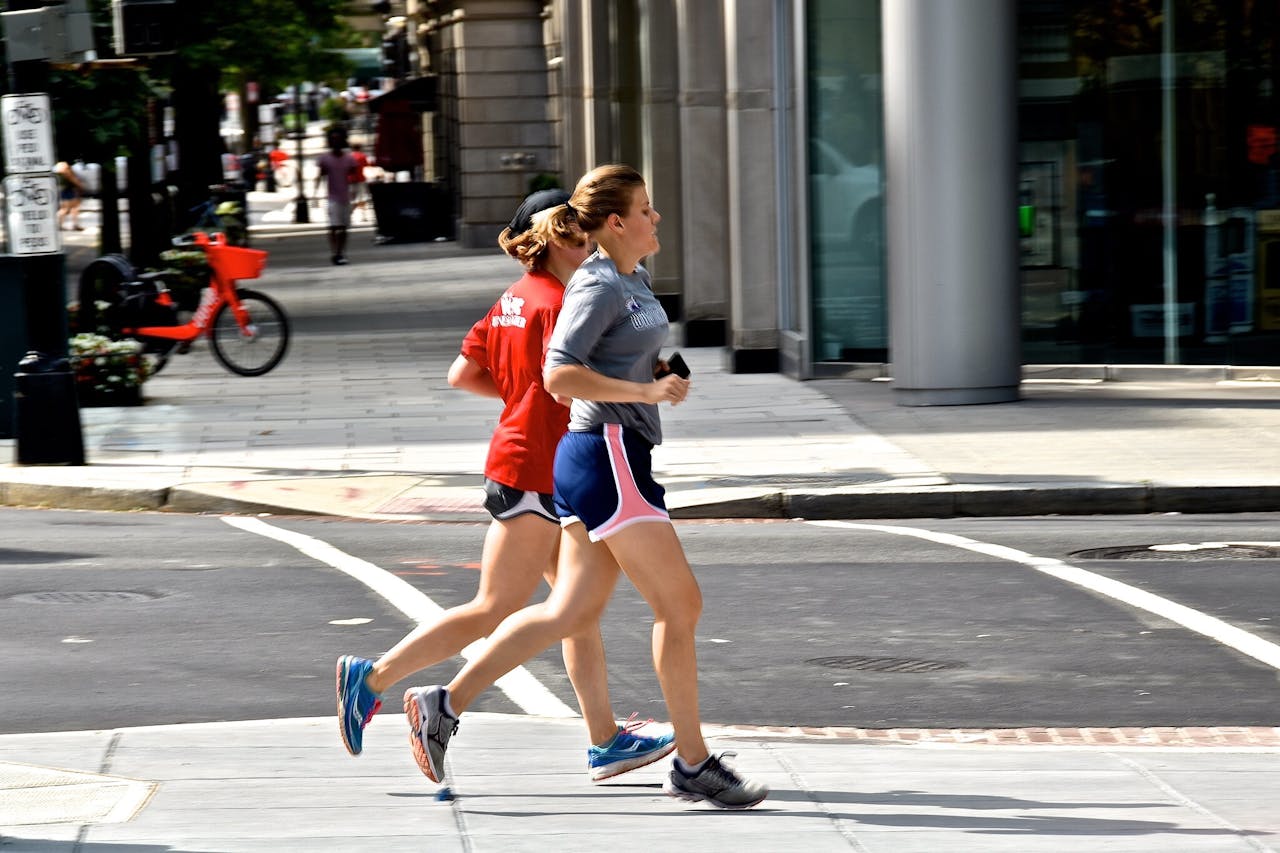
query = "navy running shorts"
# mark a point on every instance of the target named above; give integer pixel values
(604, 478)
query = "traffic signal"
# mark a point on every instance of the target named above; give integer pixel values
(395, 54)
(144, 27)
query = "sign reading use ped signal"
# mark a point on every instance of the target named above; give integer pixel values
(28, 133)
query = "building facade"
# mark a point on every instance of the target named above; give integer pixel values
(858, 187)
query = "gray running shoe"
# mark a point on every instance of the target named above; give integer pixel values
(716, 784)
(429, 729)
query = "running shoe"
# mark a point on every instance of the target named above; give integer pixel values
(356, 702)
(430, 728)
(716, 784)
(627, 751)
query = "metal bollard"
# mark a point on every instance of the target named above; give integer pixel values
(46, 415)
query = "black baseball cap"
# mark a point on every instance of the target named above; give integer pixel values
(535, 203)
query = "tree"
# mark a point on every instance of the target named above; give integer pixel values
(228, 43)
(100, 112)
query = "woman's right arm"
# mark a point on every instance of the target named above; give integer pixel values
(469, 376)
(583, 383)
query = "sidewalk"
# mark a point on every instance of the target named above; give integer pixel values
(360, 422)
(520, 784)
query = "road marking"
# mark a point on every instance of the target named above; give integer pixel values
(1215, 629)
(521, 687)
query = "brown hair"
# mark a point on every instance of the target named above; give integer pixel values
(530, 247)
(603, 191)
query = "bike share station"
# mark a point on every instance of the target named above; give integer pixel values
(37, 402)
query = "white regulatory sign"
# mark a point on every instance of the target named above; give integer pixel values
(28, 133)
(32, 206)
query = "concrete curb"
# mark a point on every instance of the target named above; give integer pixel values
(919, 502)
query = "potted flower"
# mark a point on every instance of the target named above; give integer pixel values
(108, 373)
(187, 274)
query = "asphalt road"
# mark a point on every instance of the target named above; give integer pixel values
(136, 619)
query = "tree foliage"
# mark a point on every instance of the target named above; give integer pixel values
(274, 43)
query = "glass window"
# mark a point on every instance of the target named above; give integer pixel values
(846, 198)
(1149, 181)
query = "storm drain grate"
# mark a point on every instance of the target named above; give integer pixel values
(1189, 551)
(91, 596)
(872, 664)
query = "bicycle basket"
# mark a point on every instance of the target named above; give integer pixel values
(233, 263)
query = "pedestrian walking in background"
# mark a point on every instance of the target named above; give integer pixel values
(359, 181)
(70, 190)
(337, 170)
(604, 354)
(502, 357)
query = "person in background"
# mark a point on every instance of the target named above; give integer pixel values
(359, 183)
(502, 357)
(337, 171)
(70, 188)
(604, 355)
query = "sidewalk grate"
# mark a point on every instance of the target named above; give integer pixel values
(32, 795)
(94, 596)
(873, 664)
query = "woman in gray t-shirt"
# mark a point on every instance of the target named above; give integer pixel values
(603, 354)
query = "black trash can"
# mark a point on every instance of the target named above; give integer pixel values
(410, 212)
(47, 417)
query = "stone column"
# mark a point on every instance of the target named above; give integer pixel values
(597, 80)
(752, 173)
(573, 119)
(704, 192)
(504, 136)
(950, 104)
(660, 144)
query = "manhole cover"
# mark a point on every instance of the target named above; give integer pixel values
(1183, 551)
(94, 596)
(870, 664)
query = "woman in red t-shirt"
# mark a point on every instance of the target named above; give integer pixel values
(502, 357)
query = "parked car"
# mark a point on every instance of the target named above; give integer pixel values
(846, 201)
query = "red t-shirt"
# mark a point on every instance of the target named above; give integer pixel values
(357, 177)
(511, 342)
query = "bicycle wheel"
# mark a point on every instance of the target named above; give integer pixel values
(260, 350)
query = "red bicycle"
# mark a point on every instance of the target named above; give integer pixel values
(247, 330)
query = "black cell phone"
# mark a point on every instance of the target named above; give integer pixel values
(676, 365)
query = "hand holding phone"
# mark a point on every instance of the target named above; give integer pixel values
(676, 365)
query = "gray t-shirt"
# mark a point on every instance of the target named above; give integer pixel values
(613, 324)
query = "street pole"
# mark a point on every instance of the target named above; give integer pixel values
(300, 213)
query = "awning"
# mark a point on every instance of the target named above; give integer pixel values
(366, 62)
(418, 94)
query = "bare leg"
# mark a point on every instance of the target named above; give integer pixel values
(516, 552)
(585, 579)
(584, 660)
(654, 561)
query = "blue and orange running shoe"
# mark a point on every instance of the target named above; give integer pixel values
(356, 702)
(627, 751)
